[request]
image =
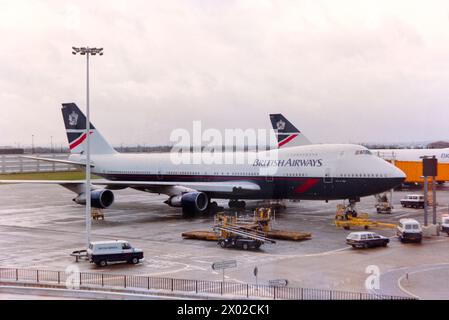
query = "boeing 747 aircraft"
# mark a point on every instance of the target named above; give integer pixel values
(312, 172)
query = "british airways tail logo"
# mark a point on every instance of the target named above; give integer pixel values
(73, 118)
(280, 125)
(289, 163)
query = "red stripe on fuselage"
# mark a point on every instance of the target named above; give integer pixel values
(79, 141)
(287, 140)
(306, 185)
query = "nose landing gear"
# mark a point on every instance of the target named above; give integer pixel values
(349, 209)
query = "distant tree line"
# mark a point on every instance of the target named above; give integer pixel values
(167, 148)
(432, 145)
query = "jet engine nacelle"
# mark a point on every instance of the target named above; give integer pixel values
(190, 202)
(101, 198)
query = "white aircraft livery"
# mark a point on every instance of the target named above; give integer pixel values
(313, 172)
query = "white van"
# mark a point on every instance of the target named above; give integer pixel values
(413, 201)
(409, 230)
(445, 224)
(102, 252)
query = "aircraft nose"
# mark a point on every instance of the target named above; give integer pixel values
(398, 173)
(389, 170)
(395, 172)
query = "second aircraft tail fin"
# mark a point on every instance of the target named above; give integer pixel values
(287, 134)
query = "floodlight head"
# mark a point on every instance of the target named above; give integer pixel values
(86, 50)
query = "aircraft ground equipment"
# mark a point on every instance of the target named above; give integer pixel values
(383, 204)
(201, 235)
(97, 214)
(348, 221)
(259, 225)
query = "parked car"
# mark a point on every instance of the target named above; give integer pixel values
(239, 242)
(365, 239)
(445, 224)
(409, 230)
(103, 252)
(413, 201)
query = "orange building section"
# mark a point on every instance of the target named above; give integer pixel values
(413, 171)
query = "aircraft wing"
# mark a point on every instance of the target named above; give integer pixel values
(224, 186)
(217, 187)
(76, 163)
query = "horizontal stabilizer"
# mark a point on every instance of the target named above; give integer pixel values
(225, 187)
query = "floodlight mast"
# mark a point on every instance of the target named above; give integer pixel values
(87, 52)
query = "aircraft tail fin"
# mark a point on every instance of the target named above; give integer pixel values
(75, 125)
(287, 134)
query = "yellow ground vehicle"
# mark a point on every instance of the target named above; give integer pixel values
(348, 220)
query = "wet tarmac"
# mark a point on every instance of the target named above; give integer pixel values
(40, 226)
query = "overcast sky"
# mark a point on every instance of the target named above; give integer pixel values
(342, 71)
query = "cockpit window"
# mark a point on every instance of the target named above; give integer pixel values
(357, 152)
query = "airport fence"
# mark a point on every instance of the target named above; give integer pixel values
(14, 163)
(144, 284)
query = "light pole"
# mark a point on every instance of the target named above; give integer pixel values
(86, 51)
(430, 169)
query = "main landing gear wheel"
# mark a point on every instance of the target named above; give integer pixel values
(213, 208)
(235, 204)
(188, 213)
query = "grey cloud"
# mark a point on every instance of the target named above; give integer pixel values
(340, 77)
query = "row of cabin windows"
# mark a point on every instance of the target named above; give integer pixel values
(188, 173)
(254, 174)
(295, 174)
(363, 175)
(304, 155)
(246, 174)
